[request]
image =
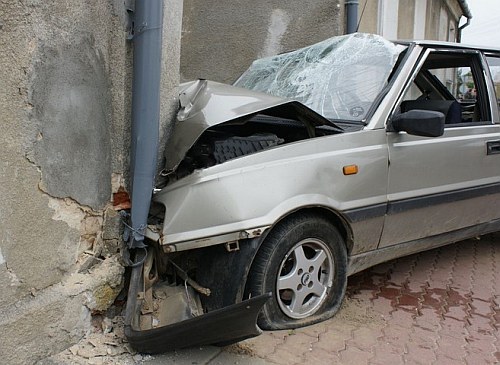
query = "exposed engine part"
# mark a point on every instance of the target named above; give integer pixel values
(184, 276)
(150, 277)
(238, 138)
(233, 147)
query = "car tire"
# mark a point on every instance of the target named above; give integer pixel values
(303, 262)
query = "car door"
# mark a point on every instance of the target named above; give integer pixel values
(442, 184)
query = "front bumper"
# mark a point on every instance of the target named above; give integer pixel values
(227, 325)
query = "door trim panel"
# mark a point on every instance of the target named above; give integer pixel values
(399, 206)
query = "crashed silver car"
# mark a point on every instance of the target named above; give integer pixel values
(317, 164)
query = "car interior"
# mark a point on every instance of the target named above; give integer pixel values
(451, 84)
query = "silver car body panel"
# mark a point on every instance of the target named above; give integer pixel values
(445, 159)
(225, 202)
(444, 173)
(222, 199)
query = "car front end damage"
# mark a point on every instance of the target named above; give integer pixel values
(192, 286)
(239, 161)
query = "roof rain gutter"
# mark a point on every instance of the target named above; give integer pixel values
(352, 16)
(147, 39)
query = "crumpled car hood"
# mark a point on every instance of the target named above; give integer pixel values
(204, 104)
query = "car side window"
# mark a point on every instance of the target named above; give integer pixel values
(450, 83)
(459, 82)
(494, 64)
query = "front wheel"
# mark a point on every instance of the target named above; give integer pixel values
(303, 262)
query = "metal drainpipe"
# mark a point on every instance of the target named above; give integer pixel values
(352, 16)
(148, 20)
(147, 40)
(466, 13)
(459, 35)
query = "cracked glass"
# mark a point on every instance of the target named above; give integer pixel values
(339, 78)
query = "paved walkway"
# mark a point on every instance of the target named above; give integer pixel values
(437, 307)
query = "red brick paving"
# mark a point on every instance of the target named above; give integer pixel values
(436, 307)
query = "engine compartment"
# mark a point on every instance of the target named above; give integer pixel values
(237, 138)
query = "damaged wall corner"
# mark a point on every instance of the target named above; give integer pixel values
(66, 81)
(65, 101)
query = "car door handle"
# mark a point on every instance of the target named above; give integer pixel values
(493, 147)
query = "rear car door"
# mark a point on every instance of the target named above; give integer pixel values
(442, 184)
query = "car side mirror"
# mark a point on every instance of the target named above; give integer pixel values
(425, 123)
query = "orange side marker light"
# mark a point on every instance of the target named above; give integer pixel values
(350, 169)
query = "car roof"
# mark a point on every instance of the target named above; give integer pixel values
(442, 44)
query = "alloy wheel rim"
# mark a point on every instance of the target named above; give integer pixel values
(304, 278)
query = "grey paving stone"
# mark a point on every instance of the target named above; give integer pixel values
(192, 356)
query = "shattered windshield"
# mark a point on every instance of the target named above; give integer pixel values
(339, 78)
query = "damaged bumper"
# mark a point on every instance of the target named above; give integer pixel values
(227, 239)
(230, 324)
(162, 316)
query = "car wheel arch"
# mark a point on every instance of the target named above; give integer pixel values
(223, 295)
(336, 218)
(307, 216)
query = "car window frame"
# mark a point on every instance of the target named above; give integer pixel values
(495, 108)
(477, 67)
(398, 67)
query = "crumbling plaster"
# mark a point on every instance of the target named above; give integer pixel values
(65, 122)
(71, 101)
(65, 96)
(55, 318)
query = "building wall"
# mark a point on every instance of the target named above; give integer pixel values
(221, 38)
(65, 97)
(406, 19)
(412, 19)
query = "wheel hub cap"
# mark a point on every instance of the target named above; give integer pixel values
(305, 279)
(305, 275)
